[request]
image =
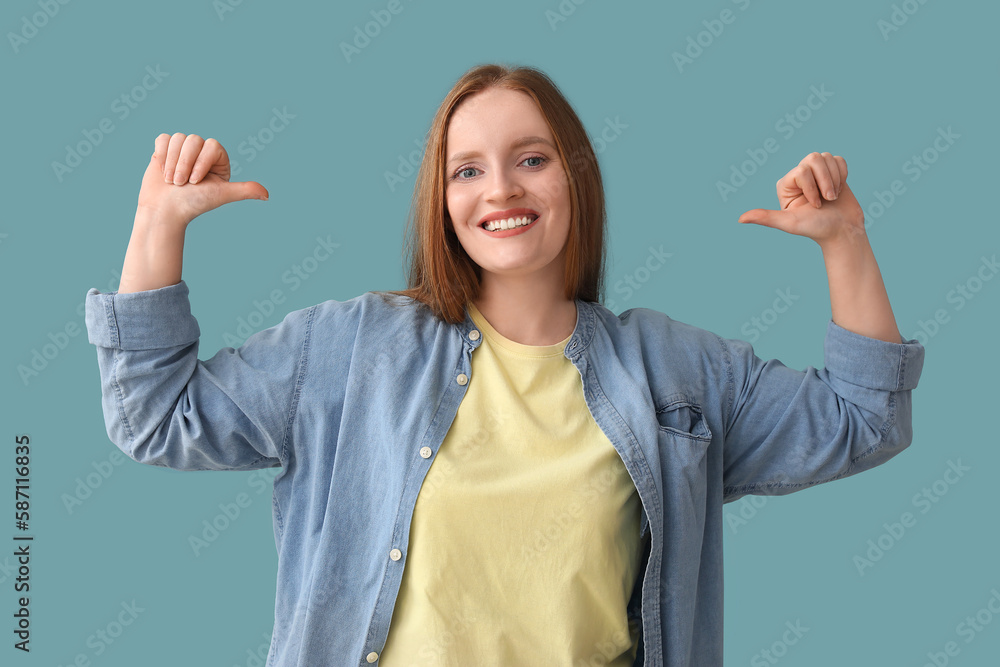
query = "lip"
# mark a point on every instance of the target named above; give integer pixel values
(509, 213)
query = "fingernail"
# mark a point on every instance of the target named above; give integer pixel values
(830, 194)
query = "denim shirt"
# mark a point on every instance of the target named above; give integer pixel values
(351, 399)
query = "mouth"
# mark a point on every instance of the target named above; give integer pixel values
(508, 224)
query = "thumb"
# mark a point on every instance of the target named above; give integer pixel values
(763, 217)
(238, 191)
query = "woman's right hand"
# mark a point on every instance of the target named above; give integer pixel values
(187, 176)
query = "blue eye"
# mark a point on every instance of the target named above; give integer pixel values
(457, 176)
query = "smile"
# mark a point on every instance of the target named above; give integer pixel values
(513, 224)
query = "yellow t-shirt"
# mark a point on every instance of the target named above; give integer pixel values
(524, 541)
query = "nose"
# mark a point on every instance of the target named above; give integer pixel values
(503, 185)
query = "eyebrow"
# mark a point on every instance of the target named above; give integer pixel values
(519, 143)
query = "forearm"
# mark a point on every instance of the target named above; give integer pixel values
(155, 253)
(858, 299)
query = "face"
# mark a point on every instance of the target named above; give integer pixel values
(501, 159)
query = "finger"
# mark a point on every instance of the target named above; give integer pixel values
(759, 216)
(160, 149)
(804, 181)
(173, 152)
(213, 157)
(842, 163)
(189, 153)
(816, 163)
(833, 167)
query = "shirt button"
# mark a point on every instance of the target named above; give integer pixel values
(372, 657)
(473, 335)
(395, 554)
(462, 378)
(425, 452)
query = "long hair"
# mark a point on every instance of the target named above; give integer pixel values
(442, 276)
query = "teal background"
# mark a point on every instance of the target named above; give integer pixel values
(793, 559)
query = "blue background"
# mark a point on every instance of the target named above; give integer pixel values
(227, 66)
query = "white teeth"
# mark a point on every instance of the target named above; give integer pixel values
(508, 223)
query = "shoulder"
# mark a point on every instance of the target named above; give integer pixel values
(376, 313)
(646, 324)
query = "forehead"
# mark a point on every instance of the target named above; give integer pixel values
(495, 116)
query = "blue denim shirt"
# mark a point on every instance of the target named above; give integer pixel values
(344, 395)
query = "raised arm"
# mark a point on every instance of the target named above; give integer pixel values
(162, 405)
(816, 202)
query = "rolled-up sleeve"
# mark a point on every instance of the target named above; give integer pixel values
(163, 406)
(789, 429)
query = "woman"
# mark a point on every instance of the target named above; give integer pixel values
(491, 459)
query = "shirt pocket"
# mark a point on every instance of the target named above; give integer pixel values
(684, 436)
(680, 416)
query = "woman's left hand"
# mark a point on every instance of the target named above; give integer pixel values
(815, 202)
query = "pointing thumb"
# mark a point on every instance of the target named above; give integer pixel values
(244, 190)
(761, 216)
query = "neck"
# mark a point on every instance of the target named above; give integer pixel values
(526, 310)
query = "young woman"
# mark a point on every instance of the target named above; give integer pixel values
(490, 467)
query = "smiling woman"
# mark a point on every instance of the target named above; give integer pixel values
(490, 467)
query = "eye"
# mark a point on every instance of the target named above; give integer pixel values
(458, 175)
